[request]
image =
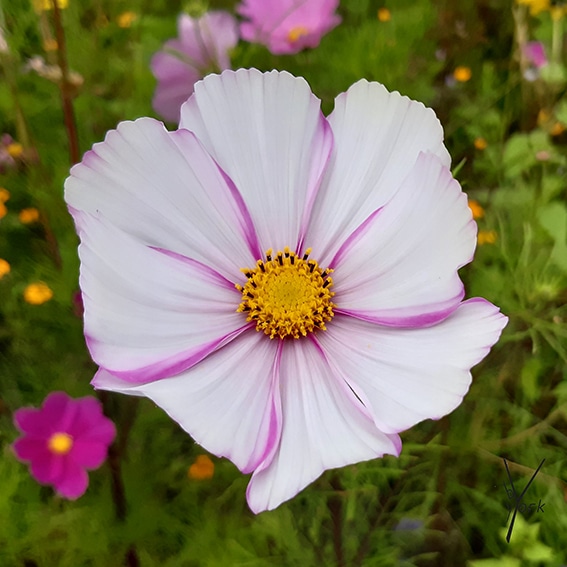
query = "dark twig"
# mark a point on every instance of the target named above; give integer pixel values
(66, 87)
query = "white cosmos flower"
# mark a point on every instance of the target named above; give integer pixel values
(287, 368)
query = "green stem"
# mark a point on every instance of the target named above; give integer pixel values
(65, 86)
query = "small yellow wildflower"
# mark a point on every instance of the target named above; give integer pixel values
(42, 5)
(202, 469)
(37, 293)
(3, 210)
(4, 195)
(462, 74)
(536, 6)
(27, 216)
(384, 15)
(126, 19)
(486, 237)
(557, 129)
(480, 144)
(4, 268)
(50, 44)
(477, 210)
(15, 150)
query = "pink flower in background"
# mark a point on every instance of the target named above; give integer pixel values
(534, 51)
(284, 285)
(287, 26)
(202, 47)
(62, 439)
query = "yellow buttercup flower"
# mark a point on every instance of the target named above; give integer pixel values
(4, 268)
(462, 74)
(202, 469)
(37, 293)
(3, 210)
(42, 5)
(15, 150)
(477, 210)
(480, 144)
(557, 129)
(27, 216)
(486, 237)
(4, 195)
(126, 19)
(384, 15)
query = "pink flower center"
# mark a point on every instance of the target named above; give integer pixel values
(287, 296)
(60, 443)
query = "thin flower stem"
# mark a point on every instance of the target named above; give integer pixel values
(65, 87)
(115, 453)
(335, 506)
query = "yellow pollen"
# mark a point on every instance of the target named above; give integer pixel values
(297, 33)
(60, 443)
(287, 295)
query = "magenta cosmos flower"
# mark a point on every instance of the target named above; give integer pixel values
(287, 26)
(202, 47)
(62, 439)
(283, 284)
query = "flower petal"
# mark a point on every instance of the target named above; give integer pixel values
(324, 426)
(47, 468)
(89, 454)
(150, 314)
(72, 481)
(165, 190)
(267, 133)
(176, 78)
(228, 402)
(31, 449)
(378, 137)
(400, 267)
(90, 424)
(404, 376)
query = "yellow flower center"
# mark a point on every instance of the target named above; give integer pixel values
(296, 33)
(287, 296)
(60, 443)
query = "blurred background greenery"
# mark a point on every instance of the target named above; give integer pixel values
(443, 502)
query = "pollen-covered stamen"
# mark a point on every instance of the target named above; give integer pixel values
(60, 443)
(287, 295)
(296, 33)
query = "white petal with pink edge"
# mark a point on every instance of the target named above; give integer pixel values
(165, 190)
(324, 426)
(228, 403)
(378, 136)
(404, 376)
(150, 314)
(400, 267)
(267, 132)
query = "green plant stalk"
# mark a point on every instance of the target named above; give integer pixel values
(65, 87)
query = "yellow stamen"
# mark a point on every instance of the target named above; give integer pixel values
(60, 443)
(296, 33)
(288, 295)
